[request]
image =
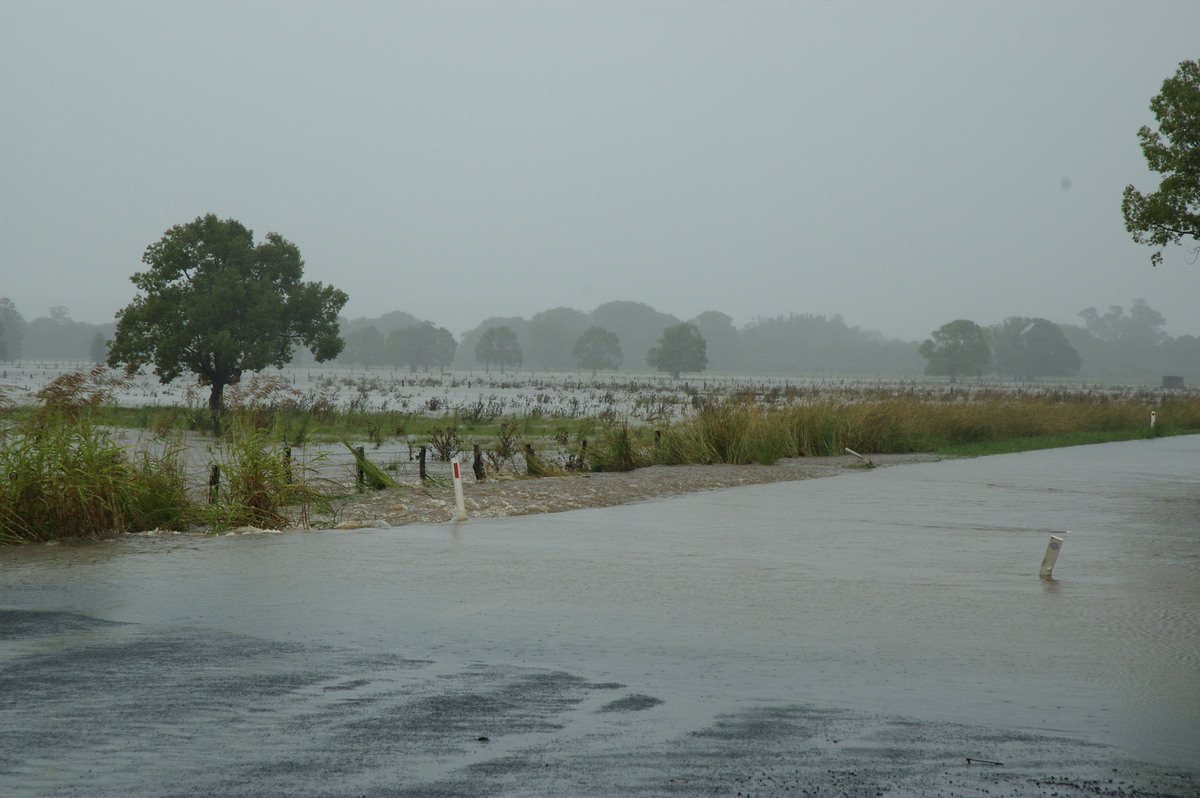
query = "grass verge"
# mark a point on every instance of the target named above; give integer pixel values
(740, 431)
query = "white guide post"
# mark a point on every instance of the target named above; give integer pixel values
(1051, 556)
(460, 508)
(1153, 418)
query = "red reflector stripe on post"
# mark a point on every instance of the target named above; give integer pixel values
(456, 476)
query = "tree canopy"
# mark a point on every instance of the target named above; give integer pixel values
(12, 330)
(680, 349)
(215, 304)
(956, 348)
(421, 346)
(364, 345)
(1171, 213)
(598, 348)
(1028, 348)
(499, 345)
(1142, 322)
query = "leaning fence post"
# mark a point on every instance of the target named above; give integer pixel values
(1051, 556)
(421, 465)
(360, 476)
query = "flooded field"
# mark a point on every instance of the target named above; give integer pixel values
(908, 594)
(457, 401)
(637, 396)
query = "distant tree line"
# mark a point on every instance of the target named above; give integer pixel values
(804, 344)
(1115, 345)
(418, 347)
(51, 337)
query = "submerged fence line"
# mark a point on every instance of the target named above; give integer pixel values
(63, 473)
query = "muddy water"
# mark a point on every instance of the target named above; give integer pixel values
(910, 590)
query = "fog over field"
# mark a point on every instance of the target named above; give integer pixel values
(901, 165)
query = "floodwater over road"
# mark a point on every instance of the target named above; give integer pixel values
(907, 593)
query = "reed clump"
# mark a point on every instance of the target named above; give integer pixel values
(256, 483)
(618, 447)
(64, 475)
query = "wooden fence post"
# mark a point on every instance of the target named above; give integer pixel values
(360, 476)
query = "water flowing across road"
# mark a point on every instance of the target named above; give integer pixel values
(906, 592)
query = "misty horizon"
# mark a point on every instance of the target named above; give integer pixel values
(898, 166)
(356, 321)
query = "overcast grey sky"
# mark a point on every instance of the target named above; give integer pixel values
(900, 164)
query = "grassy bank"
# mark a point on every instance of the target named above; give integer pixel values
(743, 431)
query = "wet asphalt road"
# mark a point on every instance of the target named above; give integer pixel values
(859, 635)
(96, 708)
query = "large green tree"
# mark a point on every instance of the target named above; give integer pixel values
(598, 348)
(1029, 348)
(215, 304)
(364, 345)
(499, 345)
(1172, 213)
(680, 349)
(956, 348)
(421, 346)
(548, 338)
(723, 341)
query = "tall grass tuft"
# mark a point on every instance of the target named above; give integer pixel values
(259, 487)
(538, 466)
(732, 431)
(62, 475)
(373, 476)
(617, 448)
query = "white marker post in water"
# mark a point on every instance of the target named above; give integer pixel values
(460, 513)
(1051, 556)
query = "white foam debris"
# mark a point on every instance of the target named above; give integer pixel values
(251, 530)
(372, 523)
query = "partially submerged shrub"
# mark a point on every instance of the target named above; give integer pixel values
(446, 443)
(260, 486)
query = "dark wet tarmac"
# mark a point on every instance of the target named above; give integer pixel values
(644, 650)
